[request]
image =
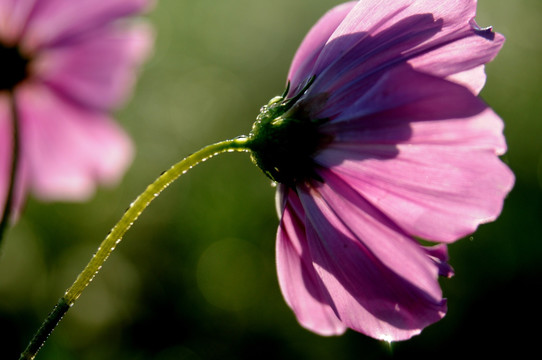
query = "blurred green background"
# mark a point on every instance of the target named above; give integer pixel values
(195, 277)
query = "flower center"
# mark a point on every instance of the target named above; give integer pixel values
(14, 67)
(284, 140)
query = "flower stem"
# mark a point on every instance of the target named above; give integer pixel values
(10, 194)
(115, 235)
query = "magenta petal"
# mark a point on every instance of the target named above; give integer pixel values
(458, 56)
(426, 155)
(314, 41)
(381, 282)
(405, 106)
(362, 56)
(439, 254)
(59, 22)
(300, 285)
(372, 17)
(69, 149)
(99, 71)
(439, 193)
(473, 79)
(281, 196)
(435, 37)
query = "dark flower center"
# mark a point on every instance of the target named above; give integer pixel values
(14, 68)
(284, 140)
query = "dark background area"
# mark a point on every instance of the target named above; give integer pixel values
(195, 277)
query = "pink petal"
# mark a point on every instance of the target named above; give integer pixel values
(59, 22)
(100, 71)
(372, 17)
(425, 155)
(313, 43)
(439, 193)
(13, 17)
(300, 285)
(439, 254)
(435, 37)
(405, 106)
(281, 196)
(473, 79)
(458, 56)
(67, 149)
(382, 282)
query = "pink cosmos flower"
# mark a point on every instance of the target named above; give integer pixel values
(68, 63)
(380, 140)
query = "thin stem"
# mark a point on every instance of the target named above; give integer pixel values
(115, 235)
(10, 195)
(58, 312)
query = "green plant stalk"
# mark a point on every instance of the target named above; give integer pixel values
(10, 195)
(115, 236)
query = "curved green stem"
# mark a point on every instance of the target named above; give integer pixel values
(8, 204)
(115, 235)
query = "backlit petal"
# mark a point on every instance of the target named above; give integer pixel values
(424, 154)
(312, 44)
(435, 37)
(300, 285)
(381, 282)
